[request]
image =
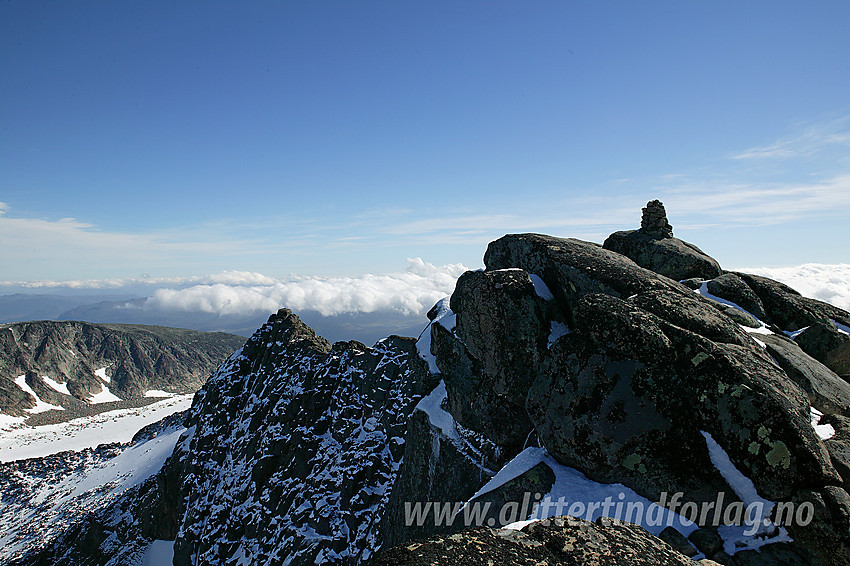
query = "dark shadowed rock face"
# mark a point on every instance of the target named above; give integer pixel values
(495, 349)
(135, 358)
(553, 542)
(654, 247)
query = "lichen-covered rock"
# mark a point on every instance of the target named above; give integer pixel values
(627, 391)
(732, 288)
(560, 541)
(670, 257)
(826, 539)
(826, 390)
(692, 312)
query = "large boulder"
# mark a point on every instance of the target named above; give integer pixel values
(783, 306)
(826, 343)
(826, 390)
(838, 445)
(654, 247)
(732, 288)
(574, 268)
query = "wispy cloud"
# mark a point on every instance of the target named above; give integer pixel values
(811, 140)
(759, 204)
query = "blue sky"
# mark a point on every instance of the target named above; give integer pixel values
(339, 138)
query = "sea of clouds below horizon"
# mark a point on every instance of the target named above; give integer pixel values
(410, 292)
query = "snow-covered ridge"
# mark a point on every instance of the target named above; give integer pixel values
(42, 501)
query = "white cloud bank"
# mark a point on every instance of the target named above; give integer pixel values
(413, 291)
(828, 283)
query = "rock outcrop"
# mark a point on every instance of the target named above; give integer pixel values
(654, 247)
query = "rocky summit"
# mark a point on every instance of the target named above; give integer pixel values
(572, 403)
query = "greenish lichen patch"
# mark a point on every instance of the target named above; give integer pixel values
(739, 390)
(699, 358)
(754, 447)
(633, 462)
(779, 455)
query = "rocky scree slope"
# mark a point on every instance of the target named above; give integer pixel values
(81, 360)
(561, 357)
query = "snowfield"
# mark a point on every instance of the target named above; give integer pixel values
(19, 441)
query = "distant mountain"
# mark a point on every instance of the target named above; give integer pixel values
(58, 370)
(107, 308)
(21, 307)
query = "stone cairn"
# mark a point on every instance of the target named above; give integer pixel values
(654, 221)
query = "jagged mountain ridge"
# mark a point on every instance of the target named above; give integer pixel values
(83, 359)
(560, 348)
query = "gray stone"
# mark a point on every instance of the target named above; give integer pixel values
(677, 541)
(783, 306)
(826, 390)
(670, 257)
(654, 247)
(824, 342)
(707, 540)
(491, 358)
(732, 288)
(839, 445)
(573, 268)
(654, 222)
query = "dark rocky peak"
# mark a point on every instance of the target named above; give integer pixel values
(654, 222)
